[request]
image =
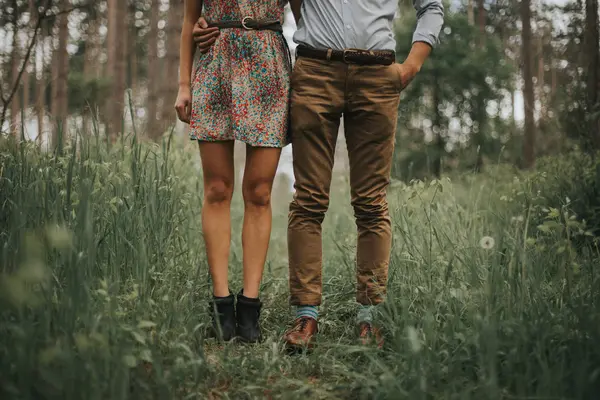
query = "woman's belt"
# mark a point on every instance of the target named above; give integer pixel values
(249, 24)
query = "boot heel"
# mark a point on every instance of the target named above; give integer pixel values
(222, 311)
(248, 316)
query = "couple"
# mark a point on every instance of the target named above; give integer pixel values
(240, 86)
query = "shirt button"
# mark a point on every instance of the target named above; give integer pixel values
(345, 1)
(348, 27)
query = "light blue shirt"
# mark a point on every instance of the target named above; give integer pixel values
(363, 24)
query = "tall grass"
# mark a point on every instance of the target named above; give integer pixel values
(104, 286)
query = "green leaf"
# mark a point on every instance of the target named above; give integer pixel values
(129, 360)
(138, 337)
(146, 355)
(146, 324)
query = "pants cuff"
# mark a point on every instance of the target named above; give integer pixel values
(370, 300)
(305, 299)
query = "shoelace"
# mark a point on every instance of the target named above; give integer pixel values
(302, 324)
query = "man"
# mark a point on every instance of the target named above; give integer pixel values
(345, 68)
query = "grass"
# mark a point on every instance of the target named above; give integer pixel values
(104, 287)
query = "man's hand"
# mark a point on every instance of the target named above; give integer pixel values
(204, 37)
(296, 6)
(413, 63)
(406, 72)
(183, 104)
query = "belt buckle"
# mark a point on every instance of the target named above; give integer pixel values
(344, 55)
(356, 52)
(246, 27)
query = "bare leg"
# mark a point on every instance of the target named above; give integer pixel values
(217, 165)
(259, 173)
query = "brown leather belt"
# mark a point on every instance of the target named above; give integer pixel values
(349, 56)
(249, 24)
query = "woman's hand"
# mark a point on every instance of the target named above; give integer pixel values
(204, 37)
(183, 104)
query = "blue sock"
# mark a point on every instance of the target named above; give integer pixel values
(307, 311)
(365, 314)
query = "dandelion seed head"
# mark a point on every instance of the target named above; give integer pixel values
(487, 242)
(518, 219)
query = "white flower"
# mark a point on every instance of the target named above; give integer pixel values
(487, 242)
(517, 219)
(413, 339)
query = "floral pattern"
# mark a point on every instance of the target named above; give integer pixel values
(241, 87)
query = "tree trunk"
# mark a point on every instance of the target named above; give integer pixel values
(26, 89)
(553, 80)
(91, 60)
(542, 99)
(481, 16)
(169, 90)
(153, 82)
(111, 47)
(41, 84)
(60, 78)
(540, 72)
(116, 68)
(506, 44)
(470, 12)
(132, 52)
(513, 62)
(53, 89)
(593, 69)
(90, 65)
(91, 68)
(15, 61)
(480, 106)
(512, 108)
(26, 76)
(528, 93)
(133, 62)
(437, 126)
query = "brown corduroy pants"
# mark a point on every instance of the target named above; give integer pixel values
(367, 97)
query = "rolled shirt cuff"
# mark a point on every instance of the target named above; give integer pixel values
(428, 29)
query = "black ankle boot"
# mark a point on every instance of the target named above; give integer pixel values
(248, 314)
(222, 311)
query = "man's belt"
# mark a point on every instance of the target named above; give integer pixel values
(249, 24)
(349, 56)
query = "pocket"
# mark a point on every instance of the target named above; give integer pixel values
(296, 71)
(395, 76)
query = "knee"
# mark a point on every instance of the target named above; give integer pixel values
(257, 194)
(309, 207)
(366, 209)
(218, 191)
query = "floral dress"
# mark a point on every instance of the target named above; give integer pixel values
(240, 88)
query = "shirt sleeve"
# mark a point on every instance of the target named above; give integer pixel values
(430, 18)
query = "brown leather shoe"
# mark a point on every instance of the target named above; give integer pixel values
(367, 334)
(302, 333)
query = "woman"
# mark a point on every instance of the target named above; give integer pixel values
(237, 90)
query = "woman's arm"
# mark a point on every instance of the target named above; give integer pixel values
(183, 104)
(193, 9)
